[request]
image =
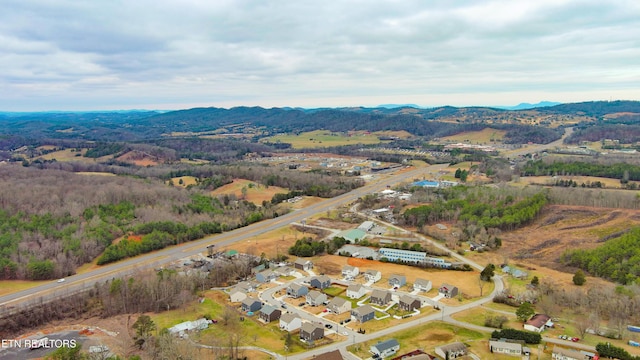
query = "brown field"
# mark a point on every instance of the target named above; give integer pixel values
(485, 136)
(537, 248)
(65, 155)
(256, 193)
(186, 181)
(138, 158)
(548, 180)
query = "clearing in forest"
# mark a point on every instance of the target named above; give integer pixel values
(255, 192)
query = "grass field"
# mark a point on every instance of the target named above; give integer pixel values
(427, 337)
(255, 192)
(12, 286)
(485, 136)
(323, 138)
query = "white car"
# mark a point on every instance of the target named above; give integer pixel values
(61, 280)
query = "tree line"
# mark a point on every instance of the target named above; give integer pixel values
(621, 171)
(617, 259)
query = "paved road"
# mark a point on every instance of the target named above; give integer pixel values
(530, 149)
(80, 282)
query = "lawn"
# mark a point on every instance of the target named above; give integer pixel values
(425, 337)
(478, 315)
(323, 138)
(12, 286)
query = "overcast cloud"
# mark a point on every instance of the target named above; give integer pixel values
(154, 54)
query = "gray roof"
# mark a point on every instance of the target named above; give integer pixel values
(377, 293)
(322, 278)
(337, 301)
(309, 327)
(407, 299)
(314, 294)
(372, 272)
(288, 317)
(268, 309)
(398, 277)
(250, 300)
(355, 287)
(362, 310)
(456, 346)
(422, 282)
(387, 344)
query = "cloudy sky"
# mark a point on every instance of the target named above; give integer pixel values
(156, 54)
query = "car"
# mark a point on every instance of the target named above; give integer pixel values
(302, 304)
(61, 280)
(575, 339)
(325, 310)
(328, 326)
(283, 306)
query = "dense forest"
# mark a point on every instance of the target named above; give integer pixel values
(617, 259)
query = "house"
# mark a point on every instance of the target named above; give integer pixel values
(367, 225)
(237, 295)
(310, 332)
(363, 313)
(409, 303)
(422, 285)
(380, 297)
(320, 282)
(316, 298)
(251, 304)
(266, 276)
(516, 273)
(284, 271)
(339, 305)
(538, 323)
(247, 286)
(385, 348)
(502, 346)
(451, 351)
(269, 313)
(297, 290)
(372, 275)
(303, 264)
(560, 353)
(183, 327)
(290, 322)
(350, 272)
(449, 291)
(397, 280)
(356, 291)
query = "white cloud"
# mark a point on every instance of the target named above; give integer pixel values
(160, 54)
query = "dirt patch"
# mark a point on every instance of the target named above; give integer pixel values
(332, 224)
(438, 337)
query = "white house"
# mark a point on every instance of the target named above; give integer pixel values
(385, 348)
(290, 322)
(538, 323)
(350, 272)
(356, 291)
(502, 346)
(373, 275)
(422, 285)
(451, 351)
(316, 298)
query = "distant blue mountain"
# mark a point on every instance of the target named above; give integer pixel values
(394, 106)
(525, 106)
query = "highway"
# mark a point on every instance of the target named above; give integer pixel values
(80, 282)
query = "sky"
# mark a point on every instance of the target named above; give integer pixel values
(157, 54)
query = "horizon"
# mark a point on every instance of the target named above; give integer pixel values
(387, 105)
(167, 56)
